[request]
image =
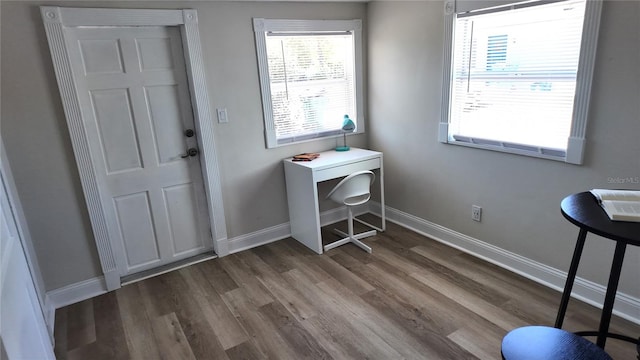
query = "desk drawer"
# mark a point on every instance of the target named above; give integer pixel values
(346, 169)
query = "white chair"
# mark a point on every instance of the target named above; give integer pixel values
(352, 191)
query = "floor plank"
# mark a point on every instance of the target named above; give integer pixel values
(263, 333)
(412, 297)
(223, 323)
(137, 326)
(80, 324)
(202, 339)
(339, 325)
(172, 343)
(413, 321)
(479, 339)
(304, 343)
(245, 351)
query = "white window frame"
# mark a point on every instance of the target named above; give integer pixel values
(261, 28)
(576, 141)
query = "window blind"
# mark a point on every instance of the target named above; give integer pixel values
(514, 75)
(312, 83)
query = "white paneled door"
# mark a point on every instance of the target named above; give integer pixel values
(137, 113)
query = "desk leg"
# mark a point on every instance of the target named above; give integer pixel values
(382, 205)
(610, 296)
(302, 198)
(571, 276)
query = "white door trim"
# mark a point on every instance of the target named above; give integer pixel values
(23, 320)
(25, 236)
(56, 19)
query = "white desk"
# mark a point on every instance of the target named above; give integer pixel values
(302, 189)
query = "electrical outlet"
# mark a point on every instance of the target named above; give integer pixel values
(476, 213)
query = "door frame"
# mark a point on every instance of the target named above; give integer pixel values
(56, 19)
(26, 329)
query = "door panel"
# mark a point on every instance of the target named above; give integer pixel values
(181, 205)
(164, 108)
(117, 131)
(135, 102)
(136, 226)
(101, 56)
(155, 54)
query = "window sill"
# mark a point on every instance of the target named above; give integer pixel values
(557, 155)
(306, 140)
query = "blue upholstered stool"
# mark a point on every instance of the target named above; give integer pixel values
(547, 343)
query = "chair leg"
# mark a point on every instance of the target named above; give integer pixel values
(337, 243)
(341, 233)
(356, 236)
(350, 221)
(361, 245)
(351, 237)
(365, 234)
(355, 239)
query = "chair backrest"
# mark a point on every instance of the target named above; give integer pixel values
(353, 189)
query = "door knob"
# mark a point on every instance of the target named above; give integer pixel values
(190, 152)
(189, 133)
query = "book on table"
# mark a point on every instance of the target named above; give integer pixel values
(620, 205)
(306, 157)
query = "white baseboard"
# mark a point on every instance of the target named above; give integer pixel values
(49, 312)
(258, 238)
(77, 292)
(626, 306)
(282, 231)
(222, 247)
(70, 294)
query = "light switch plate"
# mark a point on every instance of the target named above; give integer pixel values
(222, 116)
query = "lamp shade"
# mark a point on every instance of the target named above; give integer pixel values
(348, 125)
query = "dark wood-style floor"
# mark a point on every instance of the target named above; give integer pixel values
(413, 298)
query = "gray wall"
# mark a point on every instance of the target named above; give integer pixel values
(520, 195)
(39, 148)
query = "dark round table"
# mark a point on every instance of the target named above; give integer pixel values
(584, 211)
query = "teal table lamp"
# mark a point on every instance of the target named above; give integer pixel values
(348, 126)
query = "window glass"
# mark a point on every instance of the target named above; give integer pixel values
(514, 75)
(312, 83)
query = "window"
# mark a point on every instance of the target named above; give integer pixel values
(310, 77)
(517, 77)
